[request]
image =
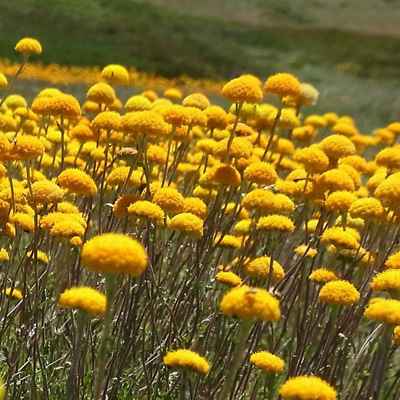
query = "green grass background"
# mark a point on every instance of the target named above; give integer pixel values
(350, 50)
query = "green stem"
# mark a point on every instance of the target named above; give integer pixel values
(103, 348)
(237, 357)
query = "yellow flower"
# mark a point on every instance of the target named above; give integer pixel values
(261, 173)
(340, 201)
(335, 180)
(396, 336)
(188, 224)
(115, 74)
(120, 209)
(67, 228)
(240, 90)
(283, 84)
(3, 81)
(195, 206)
(307, 388)
(28, 46)
(267, 362)
(243, 227)
(146, 209)
(224, 174)
(228, 278)
(77, 182)
(384, 310)
(63, 105)
(339, 237)
(75, 241)
(304, 250)
(276, 223)
(137, 103)
(4, 255)
(260, 267)
(24, 221)
(227, 241)
(173, 94)
(40, 256)
(114, 253)
(323, 275)
(389, 190)
(82, 132)
(146, 123)
(176, 115)
(169, 199)
(46, 192)
(186, 359)
(313, 159)
(393, 261)
(387, 280)
(101, 93)
(84, 298)
(12, 292)
(368, 209)
(120, 174)
(260, 199)
(198, 100)
(26, 147)
(245, 302)
(339, 292)
(108, 120)
(316, 121)
(216, 117)
(337, 146)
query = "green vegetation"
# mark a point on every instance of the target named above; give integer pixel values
(353, 71)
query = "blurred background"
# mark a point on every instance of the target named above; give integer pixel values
(349, 50)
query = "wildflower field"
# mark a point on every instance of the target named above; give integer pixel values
(167, 247)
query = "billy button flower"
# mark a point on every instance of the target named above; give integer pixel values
(195, 206)
(24, 221)
(367, 209)
(313, 159)
(147, 210)
(3, 81)
(337, 146)
(240, 90)
(176, 115)
(40, 255)
(384, 310)
(342, 238)
(107, 120)
(115, 74)
(66, 229)
(197, 100)
(307, 388)
(340, 201)
(261, 200)
(228, 278)
(12, 292)
(388, 280)
(186, 359)
(172, 94)
(282, 85)
(26, 147)
(267, 362)
(339, 292)
(318, 121)
(227, 241)
(260, 268)
(82, 133)
(216, 117)
(306, 251)
(169, 199)
(120, 208)
(323, 275)
(119, 176)
(63, 105)
(4, 256)
(137, 103)
(389, 191)
(260, 173)
(224, 174)
(85, 298)
(276, 223)
(188, 224)
(145, 122)
(28, 46)
(345, 129)
(335, 180)
(101, 93)
(393, 261)
(78, 182)
(46, 192)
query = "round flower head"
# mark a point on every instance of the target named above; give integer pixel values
(267, 362)
(387, 280)
(101, 93)
(114, 253)
(261, 173)
(313, 159)
(115, 75)
(384, 310)
(26, 147)
(276, 223)
(229, 278)
(40, 255)
(339, 237)
(4, 256)
(172, 94)
(169, 199)
(340, 201)
(323, 275)
(137, 103)
(119, 176)
(306, 251)
(245, 302)
(287, 120)
(316, 120)
(84, 298)
(146, 123)
(3, 81)
(393, 261)
(67, 228)
(335, 180)
(176, 115)
(12, 292)
(195, 206)
(396, 336)
(260, 199)
(28, 46)
(240, 90)
(78, 182)
(108, 120)
(64, 105)
(388, 191)
(260, 267)
(339, 292)
(307, 388)
(24, 221)
(186, 359)
(345, 129)
(227, 241)
(283, 84)
(146, 209)
(368, 209)
(308, 96)
(46, 192)
(216, 117)
(240, 148)
(198, 100)
(337, 146)
(225, 174)
(120, 209)
(188, 224)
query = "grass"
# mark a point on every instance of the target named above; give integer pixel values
(353, 71)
